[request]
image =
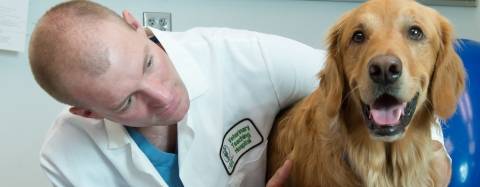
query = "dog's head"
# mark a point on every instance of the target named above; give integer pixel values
(392, 57)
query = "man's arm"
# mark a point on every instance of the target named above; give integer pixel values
(54, 175)
(292, 66)
(293, 69)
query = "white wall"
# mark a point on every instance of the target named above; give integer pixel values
(27, 112)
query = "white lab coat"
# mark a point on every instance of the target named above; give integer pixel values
(232, 77)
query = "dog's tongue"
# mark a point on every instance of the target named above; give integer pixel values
(388, 116)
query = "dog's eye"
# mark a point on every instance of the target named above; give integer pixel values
(415, 33)
(358, 37)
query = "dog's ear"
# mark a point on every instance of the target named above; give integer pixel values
(448, 76)
(331, 77)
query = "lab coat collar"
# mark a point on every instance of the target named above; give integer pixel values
(116, 134)
(118, 138)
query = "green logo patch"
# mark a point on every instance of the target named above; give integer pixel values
(240, 138)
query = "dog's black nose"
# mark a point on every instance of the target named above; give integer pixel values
(385, 69)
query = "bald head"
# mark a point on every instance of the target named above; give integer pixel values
(67, 45)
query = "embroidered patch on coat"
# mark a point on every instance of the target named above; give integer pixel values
(239, 139)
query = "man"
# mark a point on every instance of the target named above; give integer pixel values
(139, 97)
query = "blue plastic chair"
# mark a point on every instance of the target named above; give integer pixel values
(462, 132)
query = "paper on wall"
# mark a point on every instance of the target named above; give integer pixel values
(13, 24)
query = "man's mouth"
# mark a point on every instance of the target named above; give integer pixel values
(388, 116)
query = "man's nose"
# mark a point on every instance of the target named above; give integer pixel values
(157, 96)
(385, 69)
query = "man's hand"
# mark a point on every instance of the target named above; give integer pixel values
(281, 175)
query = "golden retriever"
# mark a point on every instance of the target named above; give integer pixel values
(391, 67)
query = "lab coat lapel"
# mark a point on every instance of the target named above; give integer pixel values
(128, 159)
(196, 83)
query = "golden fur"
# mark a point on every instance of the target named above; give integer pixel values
(325, 134)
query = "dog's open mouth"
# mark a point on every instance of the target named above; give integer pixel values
(388, 116)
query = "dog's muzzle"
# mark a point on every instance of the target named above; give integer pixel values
(388, 117)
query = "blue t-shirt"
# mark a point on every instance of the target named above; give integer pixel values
(165, 163)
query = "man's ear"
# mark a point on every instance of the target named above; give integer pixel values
(85, 113)
(131, 21)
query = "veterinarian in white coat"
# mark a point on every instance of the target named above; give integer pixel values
(237, 82)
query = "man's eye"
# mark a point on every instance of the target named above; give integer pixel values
(128, 103)
(149, 63)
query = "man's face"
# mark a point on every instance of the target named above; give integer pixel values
(140, 88)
